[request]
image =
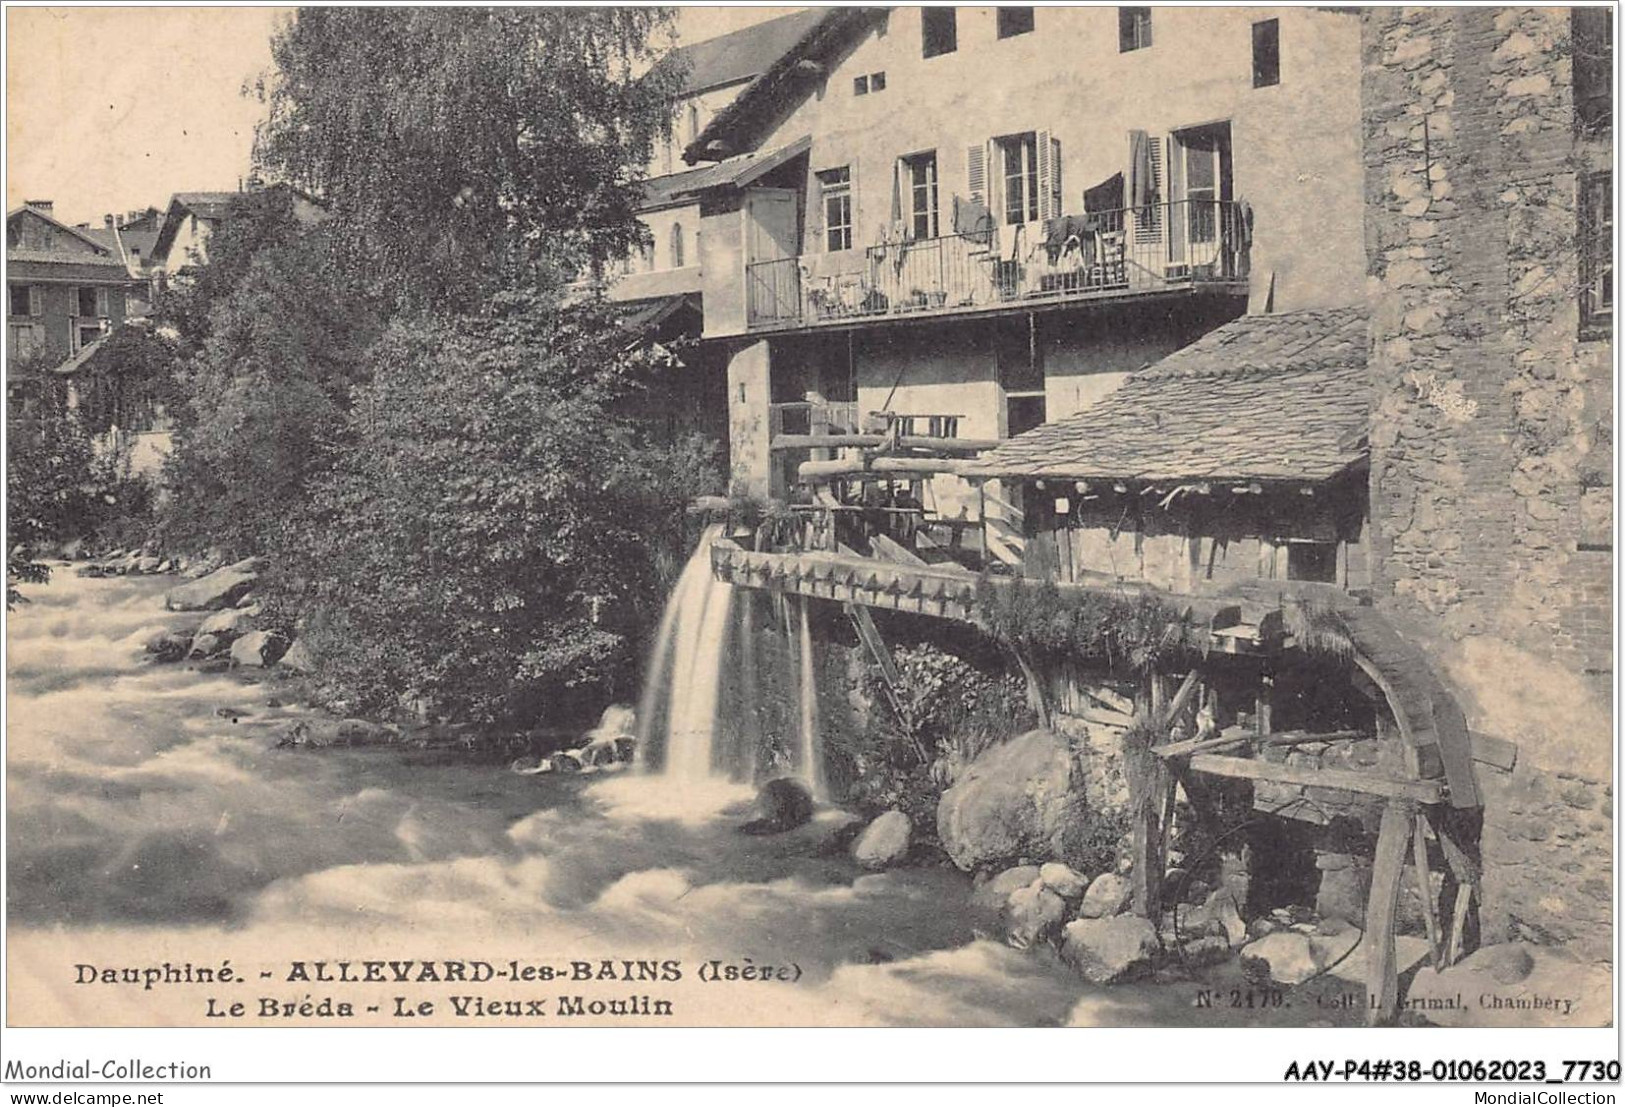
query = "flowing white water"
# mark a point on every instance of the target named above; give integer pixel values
(809, 755)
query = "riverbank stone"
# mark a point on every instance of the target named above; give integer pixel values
(1014, 802)
(166, 644)
(1106, 951)
(1033, 915)
(219, 589)
(1108, 894)
(257, 649)
(230, 623)
(1063, 880)
(883, 842)
(992, 894)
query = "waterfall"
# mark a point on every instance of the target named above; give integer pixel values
(809, 755)
(697, 719)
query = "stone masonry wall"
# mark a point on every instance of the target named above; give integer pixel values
(1493, 421)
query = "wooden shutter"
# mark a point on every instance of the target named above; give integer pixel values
(36, 300)
(102, 309)
(1050, 203)
(1149, 224)
(976, 173)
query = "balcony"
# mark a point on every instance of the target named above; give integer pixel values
(1167, 247)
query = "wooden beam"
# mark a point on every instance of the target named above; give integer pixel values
(1495, 752)
(889, 549)
(1192, 746)
(1242, 768)
(1181, 698)
(1424, 885)
(1382, 964)
(877, 468)
(1304, 737)
(876, 441)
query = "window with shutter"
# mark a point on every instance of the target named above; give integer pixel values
(1017, 164)
(976, 173)
(1050, 203)
(36, 300)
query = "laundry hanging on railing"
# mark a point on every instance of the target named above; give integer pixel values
(973, 220)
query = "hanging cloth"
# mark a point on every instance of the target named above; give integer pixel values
(1105, 196)
(1141, 188)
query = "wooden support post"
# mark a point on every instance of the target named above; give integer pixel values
(1382, 962)
(1424, 885)
(1457, 831)
(1037, 694)
(1262, 703)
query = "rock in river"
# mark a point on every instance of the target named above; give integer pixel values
(883, 842)
(221, 588)
(1105, 951)
(1014, 801)
(258, 648)
(782, 804)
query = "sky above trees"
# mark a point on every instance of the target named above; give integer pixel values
(112, 109)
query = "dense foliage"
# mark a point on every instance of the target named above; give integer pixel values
(1134, 630)
(276, 354)
(492, 541)
(59, 488)
(953, 710)
(463, 150)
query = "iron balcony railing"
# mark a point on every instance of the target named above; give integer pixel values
(1158, 247)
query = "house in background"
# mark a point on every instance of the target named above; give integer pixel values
(659, 286)
(183, 232)
(64, 289)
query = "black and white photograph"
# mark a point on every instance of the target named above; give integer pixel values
(1060, 517)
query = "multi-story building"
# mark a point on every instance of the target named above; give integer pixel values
(886, 225)
(1167, 308)
(64, 289)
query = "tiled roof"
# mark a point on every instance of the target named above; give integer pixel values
(206, 205)
(83, 236)
(783, 84)
(742, 54)
(1266, 397)
(23, 265)
(737, 170)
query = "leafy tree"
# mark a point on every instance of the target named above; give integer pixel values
(493, 540)
(461, 150)
(268, 389)
(49, 479)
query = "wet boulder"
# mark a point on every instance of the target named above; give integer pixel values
(148, 564)
(205, 646)
(883, 842)
(1108, 895)
(1063, 880)
(993, 893)
(258, 648)
(781, 805)
(1032, 915)
(1289, 957)
(229, 624)
(219, 589)
(1015, 801)
(1106, 951)
(167, 644)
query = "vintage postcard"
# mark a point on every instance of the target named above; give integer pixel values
(1061, 516)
